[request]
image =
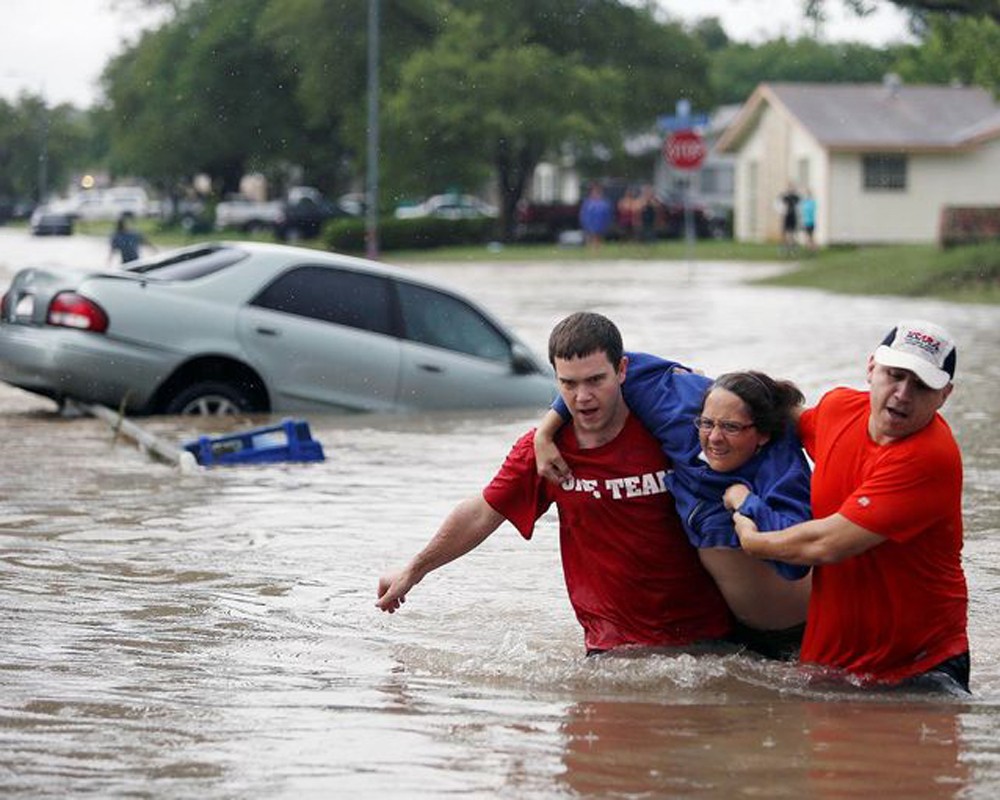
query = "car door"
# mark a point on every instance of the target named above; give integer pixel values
(453, 356)
(322, 336)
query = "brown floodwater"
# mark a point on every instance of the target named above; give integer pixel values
(214, 634)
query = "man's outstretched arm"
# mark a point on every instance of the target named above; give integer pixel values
(465, 528)
(817, 541)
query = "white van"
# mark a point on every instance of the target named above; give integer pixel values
(110, 204)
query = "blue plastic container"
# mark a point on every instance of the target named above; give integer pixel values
(289, 441)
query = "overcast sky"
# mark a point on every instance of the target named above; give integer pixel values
(59, 47)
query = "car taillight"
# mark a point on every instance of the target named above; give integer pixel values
(70, 310)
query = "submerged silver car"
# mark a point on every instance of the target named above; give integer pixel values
(246, 327)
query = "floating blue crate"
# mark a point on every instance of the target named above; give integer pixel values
(289, 441)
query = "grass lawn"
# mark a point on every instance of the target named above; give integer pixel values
(963, 274)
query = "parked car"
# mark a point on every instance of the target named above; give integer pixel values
(110, 204)
(50, 221)
(251, 327)
(300, 215)
(544, 222)
(238, 212)
(448, 206)
(304, 213)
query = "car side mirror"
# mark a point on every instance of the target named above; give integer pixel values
(521, 360)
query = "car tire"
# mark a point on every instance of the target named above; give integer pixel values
(209, 399)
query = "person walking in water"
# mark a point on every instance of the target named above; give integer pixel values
(889, 604)
(126, 241)
(632, 577)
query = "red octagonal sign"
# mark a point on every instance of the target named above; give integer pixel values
(684, 150)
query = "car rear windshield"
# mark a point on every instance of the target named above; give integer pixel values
(196, 262)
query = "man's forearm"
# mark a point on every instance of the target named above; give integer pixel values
(549, 426)
(817, 541)
(464, 529)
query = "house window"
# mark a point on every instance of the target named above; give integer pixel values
(885, 171)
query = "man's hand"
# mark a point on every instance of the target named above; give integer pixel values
(549, 460)
(734, 496)
(392, 589)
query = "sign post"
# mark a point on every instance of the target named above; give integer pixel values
(685, 150)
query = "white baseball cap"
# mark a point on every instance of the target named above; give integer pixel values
(926, 349)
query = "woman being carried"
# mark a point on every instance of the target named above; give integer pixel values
(734, 437)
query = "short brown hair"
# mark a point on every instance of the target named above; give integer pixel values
(584, 333)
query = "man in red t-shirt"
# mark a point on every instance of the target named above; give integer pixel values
(889, 600)
(633, 579)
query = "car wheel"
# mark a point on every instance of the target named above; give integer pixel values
(209, 399)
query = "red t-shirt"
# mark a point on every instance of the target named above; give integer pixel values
(899, 608)
(633, 578)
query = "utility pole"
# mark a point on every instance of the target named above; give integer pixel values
(371, 188)
(43, 156)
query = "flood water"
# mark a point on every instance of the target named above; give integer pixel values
(214, 635)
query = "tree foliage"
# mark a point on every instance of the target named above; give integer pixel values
(201, 94)
(471, 90)
(737, 69)
(473, 103)
(966, 8)
(507, 83)
(962, 50)
(38, 146)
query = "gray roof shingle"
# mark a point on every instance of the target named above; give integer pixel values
(864, 116)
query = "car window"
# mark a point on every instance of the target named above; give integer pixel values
(441, 320)
(342, 296)
(186, 265)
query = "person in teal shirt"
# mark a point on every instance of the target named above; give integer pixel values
(807, 211)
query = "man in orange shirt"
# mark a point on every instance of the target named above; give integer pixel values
(889, 599)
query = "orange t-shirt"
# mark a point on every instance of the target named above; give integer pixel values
(901, 607)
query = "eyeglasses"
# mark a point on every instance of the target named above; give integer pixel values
(727, 427)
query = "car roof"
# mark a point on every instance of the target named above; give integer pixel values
(292, 253)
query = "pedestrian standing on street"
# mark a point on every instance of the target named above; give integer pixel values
(595, 216)
(790, 219)
(808, 214)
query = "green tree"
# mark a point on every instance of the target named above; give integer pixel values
(963, 50)
(475, 103)
(737, 69)
(40, 146)
(324, 44)
(508, 83)
(971, 8)
(203, 93)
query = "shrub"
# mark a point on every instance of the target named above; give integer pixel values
(348, 235)
(969, 225)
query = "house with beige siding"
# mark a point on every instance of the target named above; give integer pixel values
(882, 160)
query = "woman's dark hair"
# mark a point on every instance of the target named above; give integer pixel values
(769, 401)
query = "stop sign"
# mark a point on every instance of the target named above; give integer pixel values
(684, 150)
